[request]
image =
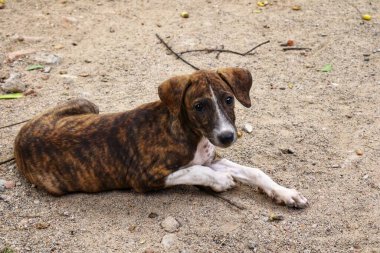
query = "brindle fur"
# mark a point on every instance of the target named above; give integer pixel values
(72, 148)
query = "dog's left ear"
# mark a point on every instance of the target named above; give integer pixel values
(240, 82)
(171, 92)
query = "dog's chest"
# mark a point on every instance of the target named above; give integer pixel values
(204, 154)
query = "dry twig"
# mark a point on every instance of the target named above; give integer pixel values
(7, 160)
(178, 56)
(210, 50)
(296, 48)
(14, 124)
(217, 195)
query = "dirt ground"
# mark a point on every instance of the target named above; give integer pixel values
(110, 55)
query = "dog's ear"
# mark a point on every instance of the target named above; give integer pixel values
(240, 82)
(171, 92)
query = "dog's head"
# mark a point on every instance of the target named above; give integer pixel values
(206, 100)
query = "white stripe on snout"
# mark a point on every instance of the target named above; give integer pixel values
(223, 124)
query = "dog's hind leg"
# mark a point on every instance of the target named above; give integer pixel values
(201, 175)
(256, 177)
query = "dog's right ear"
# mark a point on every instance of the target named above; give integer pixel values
(171, 92)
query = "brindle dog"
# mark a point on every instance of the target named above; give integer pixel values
(72, 148)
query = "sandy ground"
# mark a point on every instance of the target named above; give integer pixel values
(111, 56)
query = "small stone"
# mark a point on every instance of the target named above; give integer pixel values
(36, 201)
(248, 128)
(287, 151)
(58, 46)
(335, 166)
(149, 250)
(2, 187)
(252, 246)
(275, 217)
(18, 184)
(18, 54)
(296, 7)
(9, 184)
(153, 215)
(13, 84)
(5, 198)
(185, 14)
(87, 61)
(359, 152)
(45, 77)
(29, 92)
(84, 74)
(68, 79)
(239, 134)
(169, 241)
(47, 58)
(132, 228)
(112, 30)
(63, 72)
(170, 224)
(142, 241)
(47, 69)
(314, 226)
(42, 225)
(66, 213)
(364, 177)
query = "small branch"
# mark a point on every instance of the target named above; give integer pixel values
(296, 48)
(216, 195)
(210, 50)
(7, 160)
(178, 56)
(14, 124)
(259, 45)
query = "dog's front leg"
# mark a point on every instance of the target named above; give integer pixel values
(201, 175)
(256, 177)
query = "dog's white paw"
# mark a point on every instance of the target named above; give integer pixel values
(222, 182)
(289, 197)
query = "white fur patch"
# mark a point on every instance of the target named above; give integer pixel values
(204, 154)
(223, 125)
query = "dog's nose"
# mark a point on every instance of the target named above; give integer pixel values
(226, 138)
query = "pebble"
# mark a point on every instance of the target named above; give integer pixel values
(252, 246)
(359, 152)
(42, 225)
(68, 79)
(112, 30)
(287, 151)
(36, 201)
(18, 184)
(153, 215)
(2, 187)
(13, 84)
(365, 176)
(9, 184)
(169, 241)
(47, 58)
(149, 250)
(84, 74)
(170, 224)
(47, 69)
(185, 14)
(248, 128)
(20, 53)
(5, 198)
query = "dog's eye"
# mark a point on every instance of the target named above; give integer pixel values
(199, 107)
(229, 100)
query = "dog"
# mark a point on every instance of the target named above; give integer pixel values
(72, 148)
